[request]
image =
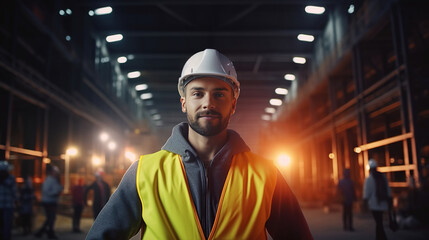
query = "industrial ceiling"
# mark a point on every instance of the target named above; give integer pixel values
(259, 36)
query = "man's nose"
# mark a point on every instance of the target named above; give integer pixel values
(208, 102)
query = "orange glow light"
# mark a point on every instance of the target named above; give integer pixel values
(283, 160)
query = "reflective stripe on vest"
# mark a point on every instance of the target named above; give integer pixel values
(168, 210)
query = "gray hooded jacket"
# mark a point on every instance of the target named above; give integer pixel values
(121, 217)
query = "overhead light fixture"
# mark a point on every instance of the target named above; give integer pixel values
(91, 13)
(104, 136)
(276, 102)
(314, 9)
(114, 38)
(141, 87)
(299, 60)
(111, 145)
(103, 11)
(62, 12)
(156, 117)
(305, 37)
(122, 59)
(270, 110)
(135, 74)
(68, 38)
(146, 96)
(149, 103)
(69, 11)
(351, 9)
(281, 91)
(289, 77)
(266, 117)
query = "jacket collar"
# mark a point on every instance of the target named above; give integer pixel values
(178, 142)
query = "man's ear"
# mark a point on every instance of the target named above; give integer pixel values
(183, 101)
(234, 105)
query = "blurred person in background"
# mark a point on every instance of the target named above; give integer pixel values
(377, 196)
(101, 192)
(77, 193)
(346, 189)
(205, 183)
(26, 199)
(51, 190)
(8, 193)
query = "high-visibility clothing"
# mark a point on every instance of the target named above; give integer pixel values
(168, 211)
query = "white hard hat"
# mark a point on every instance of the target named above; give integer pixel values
(372, 163)
(209, 63)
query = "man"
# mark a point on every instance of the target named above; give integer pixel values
(377, 196)
(204, 183)
(77, 193)
(51, 191)
(347, 190)
(101, 193)
(8, 193)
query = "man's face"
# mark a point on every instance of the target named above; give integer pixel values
(208, 104)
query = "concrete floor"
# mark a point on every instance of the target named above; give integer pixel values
(323, 225)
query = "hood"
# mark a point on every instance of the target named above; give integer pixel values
(178, 142)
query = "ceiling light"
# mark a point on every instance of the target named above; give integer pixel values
(314, 9)
(91, 13)
(62, 12)
(351, 9)
(69, 11)
(276, 102)
(114, 38)
(104, 136)
(141, 87)
(149, 103)
(111, 145)
(266, 117)
(270, 110)
(146, 96)
(68, 38)
(299, 60)
(305, 38)
(104, 59)
(290, 77)
(156, 117)
(135, 74)
(281, 91)
(103, 11)
(122, 59)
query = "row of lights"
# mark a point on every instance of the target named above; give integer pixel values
(98, 11)
(276, 102)
(142, 87)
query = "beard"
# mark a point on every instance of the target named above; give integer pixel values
(210, 129)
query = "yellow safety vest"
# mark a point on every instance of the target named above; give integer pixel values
(168, 210)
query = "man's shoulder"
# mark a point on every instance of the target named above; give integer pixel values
(256, 159)
(156, 155)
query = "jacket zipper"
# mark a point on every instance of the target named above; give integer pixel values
(207, 210)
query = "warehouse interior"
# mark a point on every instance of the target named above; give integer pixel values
(358, 89)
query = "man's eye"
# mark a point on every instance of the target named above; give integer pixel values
(219, 94)
(197, 94)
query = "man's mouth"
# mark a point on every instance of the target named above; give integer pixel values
(209, 114)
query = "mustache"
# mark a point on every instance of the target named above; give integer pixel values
(208, 113)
